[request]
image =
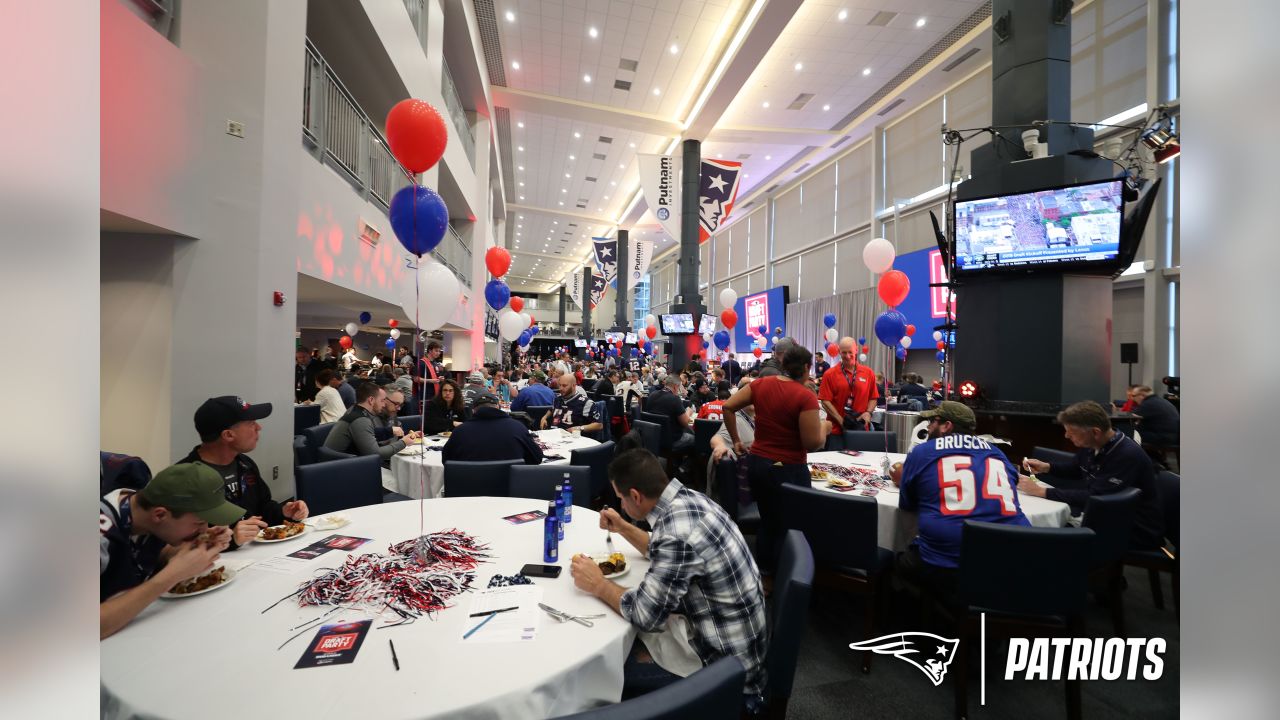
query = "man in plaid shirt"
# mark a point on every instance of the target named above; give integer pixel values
(700, 568)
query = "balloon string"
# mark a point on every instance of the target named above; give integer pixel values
(422, 414)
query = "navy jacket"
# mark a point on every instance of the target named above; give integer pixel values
(491, 434)
(1118, 465)
(1160, 422)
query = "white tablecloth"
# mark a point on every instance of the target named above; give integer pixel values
(896, 528)
(417, 468)
(215, 656)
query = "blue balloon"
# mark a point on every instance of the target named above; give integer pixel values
(497, 294)
(634, 352)
(829, 320)
(534, 330)
(391, 343)
(862, 341)
(891, 326)
(764, 329)
(419, 218)
(365, 317)
(942, 356)
(722, 339)
(705, 344)
(902, 353)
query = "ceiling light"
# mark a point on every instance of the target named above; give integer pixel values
(920, 22)
(572, 157)
(520, 167)
(866, 71)
(606, 197)
(842, 15)
(826, 108)
(621, 166)
(511, 17)
(656, 91)
(633, 146)
(515, 64)
(768, 157)
(519, 124)
(578, 134)
(765, 104)
(799, 66)
(520, 148)
(555, 222)
(521, 183)
(593, 32)
(564, 190)
(520, 217)
(674, 49)
(521, 197)
(561, 203)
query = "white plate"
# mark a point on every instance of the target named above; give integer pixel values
(228, 575)
(305, 529)
(330, 523)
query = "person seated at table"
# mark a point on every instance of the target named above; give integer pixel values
(535, 393)
(228, 428)
(951, 477)
(1108, 462)
(327, 397)
(386, 423)
(722, 442)
(913, 392)
(668, 403)
(347, 390)
(607, 384)
(445, 411)
(714, 409)
(402, 380)
(474, 387)
(1159, 423)
(572, 409)
(353, 433)
(150, 540)
(701, 576)
(500, 386)
(491, 434)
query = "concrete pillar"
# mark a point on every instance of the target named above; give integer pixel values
(586, 300)
(620, 320)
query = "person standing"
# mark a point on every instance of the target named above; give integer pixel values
(430, 372)
(304, 375)
(732, 370)
(820, 366)
(787, 429)
(848, 394)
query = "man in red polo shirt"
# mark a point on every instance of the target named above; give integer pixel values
(848, 394)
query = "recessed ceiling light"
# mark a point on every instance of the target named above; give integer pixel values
(520, 148)
(577, 134)
(566, 174)
(521, 183)
(606, 197)
(518, 226)
(520, 217)
(633, 146)
(842, 15)
(613, 183)
(673, 49)
(920, 22)
(866, 71)
(826, 108)
(515, 64)
(586, 78)
(572, 157)
(765, 104)
(656, 91)
(555, 222)
(768, 157)
(521, 197)
(511, 17)
(593, 32)
(562, 203)
(520, 167)
(564, 190)
(621, 166)
(519, 124)
(799, 66)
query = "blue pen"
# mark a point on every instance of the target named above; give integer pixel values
(478, 626)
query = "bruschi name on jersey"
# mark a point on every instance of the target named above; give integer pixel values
(961, 442)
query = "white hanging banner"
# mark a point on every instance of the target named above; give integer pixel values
(639, 254)
(660, 183)
(573, 286)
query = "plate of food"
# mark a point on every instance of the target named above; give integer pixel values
(836, 482)
(208, 582)
(330, 522)
(612, 565)
(280, 533)
(819, 475)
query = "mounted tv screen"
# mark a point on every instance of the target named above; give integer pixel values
(1057, 228)
(708, 324)
(677, 323)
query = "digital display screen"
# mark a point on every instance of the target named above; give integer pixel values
(631, 338)
(708, 324)
(579, 342)
(1079, 223)
(677, 323)
(767, 309)
(613, 337)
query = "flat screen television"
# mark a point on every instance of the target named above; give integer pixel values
(579, 342)
(677, 323)
(631, 338)
(708, 324)
(613, 337)
(1066, 227)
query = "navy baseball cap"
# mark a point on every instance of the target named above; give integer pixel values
(219, 413)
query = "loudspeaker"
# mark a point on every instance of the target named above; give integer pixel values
(1129, 352)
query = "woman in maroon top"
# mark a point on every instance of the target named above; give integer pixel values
(787, 429)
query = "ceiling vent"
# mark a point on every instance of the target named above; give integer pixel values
(606, 140)
(801, 100)
(882, 18)
(590, 179)
(889, 108)
(963, 56)
(622, 85)
(840, 142)
(800, 169)
(597, 156)
(744, 156)
(628, 65)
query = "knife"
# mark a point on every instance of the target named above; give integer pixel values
(565, 616)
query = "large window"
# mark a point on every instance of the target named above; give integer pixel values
(640, 301)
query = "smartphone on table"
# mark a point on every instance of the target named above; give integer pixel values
(541, 571)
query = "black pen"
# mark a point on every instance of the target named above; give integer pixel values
(394, 659)
(494, 612)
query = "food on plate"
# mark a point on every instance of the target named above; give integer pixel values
(331, 522)
(839, 482)
(819, 474)
(614, 564)
(280, 532)
(216, 576)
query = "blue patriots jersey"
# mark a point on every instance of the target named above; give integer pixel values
(951, 479)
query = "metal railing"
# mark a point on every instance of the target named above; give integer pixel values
(418, 15)
(341, 135)
(458, 114)
(163, 15)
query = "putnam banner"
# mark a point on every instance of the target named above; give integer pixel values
(640, 253)
(660, 183)
(573, 287)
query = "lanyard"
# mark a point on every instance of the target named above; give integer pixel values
(126, 526)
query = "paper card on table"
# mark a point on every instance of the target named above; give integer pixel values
(342, 542)
(310, 552)
(511, 626)
(335, 645)
(851, 453)
(282, 565)
(525, 517)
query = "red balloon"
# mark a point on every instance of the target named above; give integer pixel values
(517, 303)
(865, 349)
(532, 320)
(416, 134)
(911, 330)
(893, 287)
(729, 318)
(498, 260)
(757, 352)
(345, 341)
(942, 345)
(833, 349)
(393, 323)
(651, 331)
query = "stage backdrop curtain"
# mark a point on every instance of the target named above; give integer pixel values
(855, 313)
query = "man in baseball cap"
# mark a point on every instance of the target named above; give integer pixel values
(491, 434)
(228, 428)
(956, 413)
(183, 508)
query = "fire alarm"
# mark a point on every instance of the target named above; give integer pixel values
(278, 298)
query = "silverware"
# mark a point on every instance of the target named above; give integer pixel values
(565, 617)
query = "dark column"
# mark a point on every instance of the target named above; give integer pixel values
(620, 321)
(563, 298)
(586, 301)
(687, 299)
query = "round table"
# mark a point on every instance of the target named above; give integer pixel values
(418, 470)
(896, 528)
(214, 655)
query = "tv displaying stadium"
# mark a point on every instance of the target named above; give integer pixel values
(1062, 226)
(677, 323)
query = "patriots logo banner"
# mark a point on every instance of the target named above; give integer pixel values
(607, 259)
(931, 653)
(717, 191)
(597, 288)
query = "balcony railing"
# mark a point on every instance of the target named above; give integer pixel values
(342, 136)
(418, 15)
(459, 115)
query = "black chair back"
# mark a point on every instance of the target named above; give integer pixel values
(871, 441)
(597, 460)
(651, 434)
(840, 528)
(535, 413)
(589, 385)
(410, 423)
(664, 427)
(712, 693)
(1169, 486)
(305, 416)
(1050, 455)
(324, 454)
(606, 421)
(792, 587)
(1111, 517)
(1052, 568)
(703, 431)
(727, 486)
(341, 484)
(316, 437)
(539, 482)
(302, 454)
(491, 478)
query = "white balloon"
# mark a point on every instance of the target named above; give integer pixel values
(937, 335)
(528, 321)
(905, 341)
(437, 295)
(761, 341)
(727, 298)
(878, 255)
(352, 328)
(862, 358)
(395, 333)
(510, 324)
(832, 335)
(650, 320)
